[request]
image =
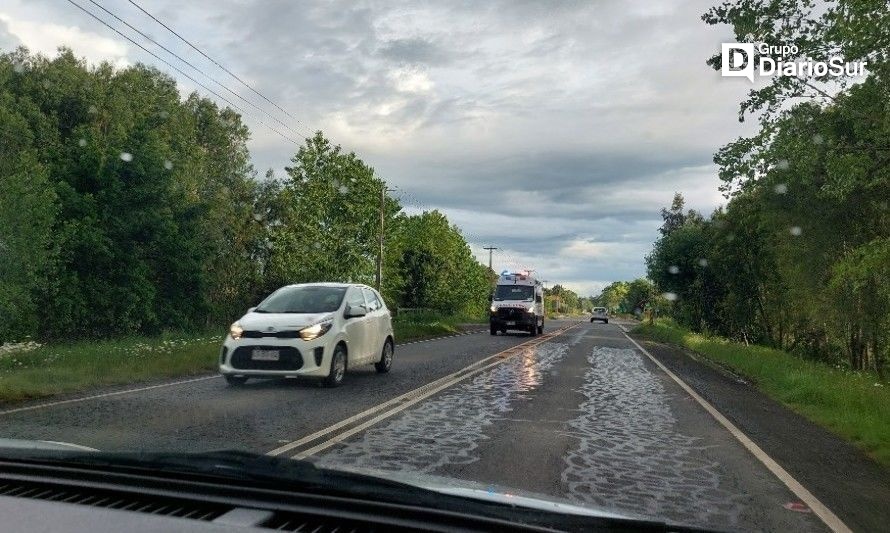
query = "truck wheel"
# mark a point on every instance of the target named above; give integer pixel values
(493, 329)
(541, 328)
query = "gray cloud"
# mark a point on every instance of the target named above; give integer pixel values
(8, 41)
(415, 50)
(554, 130)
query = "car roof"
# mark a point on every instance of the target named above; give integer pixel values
(329, 284)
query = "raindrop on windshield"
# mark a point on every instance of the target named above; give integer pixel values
(46, 84)
(795, 230)
(164, 114)
(669, 296)
(126, 157)
(781, 188)
(82, 143)
(168, 164)
(18, 67)
(783, 164)
(702, 262)
(343, 189)
(817, 139)
(674, 269)
(93, 109)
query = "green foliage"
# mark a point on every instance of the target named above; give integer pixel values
(560, 300)
(797, 259)
(855, 405)
(38, 371)
(130, 210)
(432, 267)
(329, 218)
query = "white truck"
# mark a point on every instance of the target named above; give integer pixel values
(517, 303)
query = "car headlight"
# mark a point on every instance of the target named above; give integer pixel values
(315, 331)
(531, 309)
(235, 330)
(494, 309)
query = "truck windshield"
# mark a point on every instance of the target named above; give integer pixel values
(514, 292)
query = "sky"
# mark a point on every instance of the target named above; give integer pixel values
(555, 131)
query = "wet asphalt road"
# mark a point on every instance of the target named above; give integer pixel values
(582, 416)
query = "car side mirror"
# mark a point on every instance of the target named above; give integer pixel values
(491, 297)
(251, 309)
(356, 311)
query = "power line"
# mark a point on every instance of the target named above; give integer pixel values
(215, 62)
(177, 69)
(177, 56)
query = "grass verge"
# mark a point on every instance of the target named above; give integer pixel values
(32, 370)
(37, 371)
(413, 326)
(854, 405)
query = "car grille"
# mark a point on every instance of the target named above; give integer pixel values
(289, 358)
(511, 313)
(253, 334)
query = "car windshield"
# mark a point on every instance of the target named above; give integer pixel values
(514, 292)
(627, 255)
(317, 299)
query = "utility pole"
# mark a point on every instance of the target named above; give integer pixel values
(490, 249)
(378, 279)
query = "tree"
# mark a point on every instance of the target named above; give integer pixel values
(330, 208)
(436, 268)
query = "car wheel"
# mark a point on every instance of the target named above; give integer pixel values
(605, 321)
(338, 367)
(235, 380)
(385, 362)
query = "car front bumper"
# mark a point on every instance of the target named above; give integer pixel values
(296, 357)
(513, 319)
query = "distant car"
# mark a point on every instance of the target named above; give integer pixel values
(313, 329)
(600, 313)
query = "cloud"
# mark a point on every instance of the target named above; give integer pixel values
(8, 41)
(47, 37)
(555, 131)
(414, 50)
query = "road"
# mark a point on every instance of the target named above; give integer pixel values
(581, 415)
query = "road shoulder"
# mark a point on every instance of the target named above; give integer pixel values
(856, 488)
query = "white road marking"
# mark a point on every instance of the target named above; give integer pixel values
(403, 401)
(824, 513)
(104, 395)
(161, 385)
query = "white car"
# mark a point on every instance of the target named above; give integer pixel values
(600, 313)
(310, 329)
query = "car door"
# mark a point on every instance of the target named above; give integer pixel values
(357, 328)
(375, 324)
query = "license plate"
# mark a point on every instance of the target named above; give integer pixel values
(266, 355)
(511, 322)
